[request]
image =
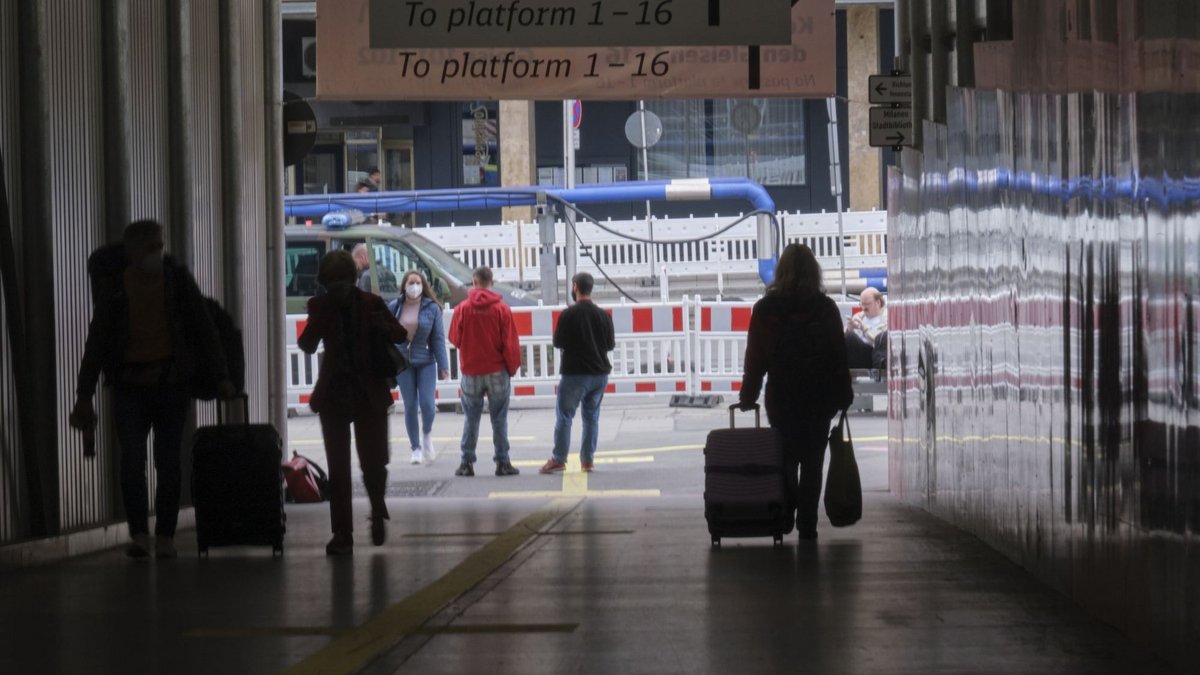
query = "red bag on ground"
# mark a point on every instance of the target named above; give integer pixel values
(306, 480)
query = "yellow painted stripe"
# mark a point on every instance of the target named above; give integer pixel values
(589, 493)
(537, 463)
(350, 652)
(446, 439)
(648, 451)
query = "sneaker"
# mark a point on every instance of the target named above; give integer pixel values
(378, 529)
(506, 469)
(164, 548)
(340, 545)
(552, 466)
(465, 469)
(427, 447)
(139, 547)
(586, 466)
(416, 456)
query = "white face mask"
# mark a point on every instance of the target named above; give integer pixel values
(413, 291)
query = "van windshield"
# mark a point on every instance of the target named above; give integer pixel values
(439, 257)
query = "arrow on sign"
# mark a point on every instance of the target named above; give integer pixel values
(896, 138)
(880, 89)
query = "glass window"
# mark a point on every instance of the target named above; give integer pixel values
(762, 139)
(481, 144)
(362, 160)
(302, 260)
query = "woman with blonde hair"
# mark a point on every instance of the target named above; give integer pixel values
(421, 315)
(796, 340)
(351, 389)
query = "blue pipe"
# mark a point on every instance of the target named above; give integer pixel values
(425, 201)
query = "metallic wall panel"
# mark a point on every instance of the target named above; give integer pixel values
(1045, 303)
(250, 228)
(149, 98)
(78, 147)
(207, 196)
(74, 147)
(11, 483)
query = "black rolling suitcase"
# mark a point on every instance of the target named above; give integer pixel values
(744, 489)
(237, 484)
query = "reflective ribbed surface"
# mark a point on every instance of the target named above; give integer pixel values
(11, 468)
(56, 50)
(1045, 275)
(76, 204)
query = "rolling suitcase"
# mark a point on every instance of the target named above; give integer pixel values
(237, 484)
(744, 485)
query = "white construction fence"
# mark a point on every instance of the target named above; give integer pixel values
(512, 250)
(690, 347)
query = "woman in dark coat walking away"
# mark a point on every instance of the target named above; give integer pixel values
(796, 341)
(349, 391)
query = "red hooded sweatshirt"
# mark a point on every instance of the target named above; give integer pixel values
(484, 332)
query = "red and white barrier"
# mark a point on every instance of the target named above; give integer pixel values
(691, 347)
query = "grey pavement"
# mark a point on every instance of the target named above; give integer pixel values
(645, 445)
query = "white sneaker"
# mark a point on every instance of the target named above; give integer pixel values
(164, 547)
(416, 456)
(427, 446)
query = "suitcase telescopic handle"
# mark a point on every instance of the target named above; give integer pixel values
(244, 398)
(738, 406)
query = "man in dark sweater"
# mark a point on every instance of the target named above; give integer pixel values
(585, 335)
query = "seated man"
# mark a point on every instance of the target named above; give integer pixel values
(866, 333)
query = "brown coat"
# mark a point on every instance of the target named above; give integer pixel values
(345, 384)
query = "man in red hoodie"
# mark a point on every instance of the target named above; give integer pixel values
(489, 354)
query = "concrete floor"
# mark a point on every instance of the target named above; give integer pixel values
(569, 582)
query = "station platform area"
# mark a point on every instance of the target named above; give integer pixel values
(611, 572)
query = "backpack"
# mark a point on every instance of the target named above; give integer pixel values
(230, 339)
(306, 480)
(801, 368)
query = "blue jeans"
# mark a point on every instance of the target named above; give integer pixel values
(417, 386)
(136, 411)
(497, 386)
(573, 390)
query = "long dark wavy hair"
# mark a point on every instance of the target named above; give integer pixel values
(797, 273)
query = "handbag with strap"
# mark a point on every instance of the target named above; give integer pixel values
(843, 487)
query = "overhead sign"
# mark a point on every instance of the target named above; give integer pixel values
(890, 89)
(410, 24)
(351, 70)
(891, 127)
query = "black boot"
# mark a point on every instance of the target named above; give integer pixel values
(506, 469)
(465, 469)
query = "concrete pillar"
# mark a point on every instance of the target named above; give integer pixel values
(518, 153)
(862, 40)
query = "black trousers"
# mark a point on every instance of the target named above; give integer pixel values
(138, 409)
(804, 443)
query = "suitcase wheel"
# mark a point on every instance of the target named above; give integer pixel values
(778, 540)
(277, 550)
(716, 542)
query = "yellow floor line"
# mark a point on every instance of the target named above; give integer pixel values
(537, 463)
(350, 652)
(647, 451)
(590, 493)
(437, 439)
